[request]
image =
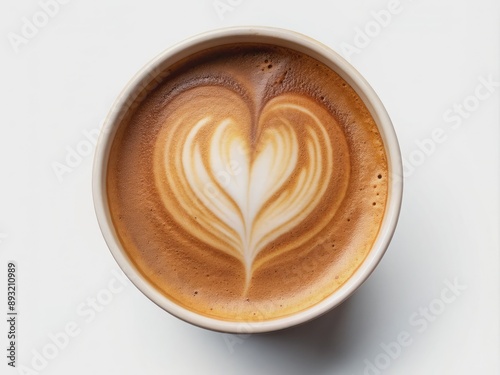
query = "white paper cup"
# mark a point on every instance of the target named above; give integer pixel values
(152, 73)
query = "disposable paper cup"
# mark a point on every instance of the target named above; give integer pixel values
(152, 73)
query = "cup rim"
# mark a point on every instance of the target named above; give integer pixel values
(259, 34)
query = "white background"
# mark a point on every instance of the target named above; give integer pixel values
(63, 80)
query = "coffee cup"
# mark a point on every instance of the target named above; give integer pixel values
(248, 179)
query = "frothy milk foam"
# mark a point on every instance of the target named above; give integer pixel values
(249, 184)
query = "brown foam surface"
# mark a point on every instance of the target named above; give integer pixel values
(249, 184)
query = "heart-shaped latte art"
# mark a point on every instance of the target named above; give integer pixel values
(238, 181)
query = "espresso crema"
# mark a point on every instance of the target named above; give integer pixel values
(249, 184)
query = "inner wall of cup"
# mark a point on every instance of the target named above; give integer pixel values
(151, 74)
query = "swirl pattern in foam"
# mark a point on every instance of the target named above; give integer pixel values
(240, 173)
(249, 184)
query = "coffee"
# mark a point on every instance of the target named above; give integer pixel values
(250, 183)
